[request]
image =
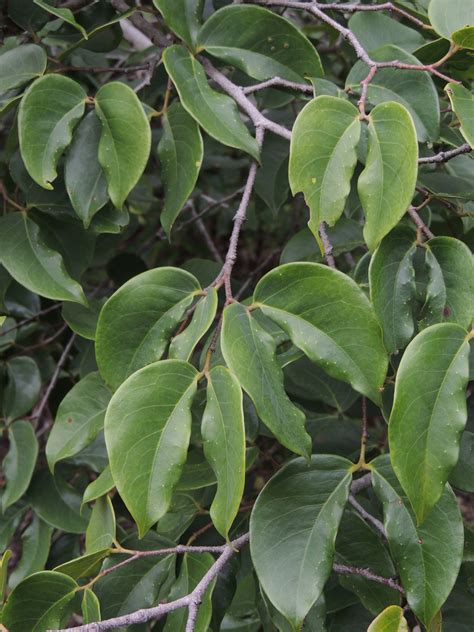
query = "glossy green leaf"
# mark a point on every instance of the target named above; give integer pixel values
(66, 15)
(417, 92)
(20, 461)
(389, 620)
(375, 29)
(102, 485)
(313, 304)
(293, 528)
(79, 419)
(462, 476)
(136, 323)
(427, 557)
(32, 263)
(193, 569)
(20, 65)
(250, 353)
(48, 113)
(392, 286)
(84, 566)
(183, 17)
(90, 607)
(183, 344)
(35, 545)
(462, 102)
(100, 532)
(456, 266)
(147, 431)
(84, 177)
(39, 602)
(259, 42)
(223, 433)
(387, 184)
(424, 431)
(447, 16)
(180, 151)
(125, 141)
(23, 388)
(202, 102)
(323, 157)
(81, 318)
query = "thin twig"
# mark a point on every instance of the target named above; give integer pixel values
(413, 213)
(207, 237)
(368, 574)
(278, 82)
(444, 156)
(328, 249)
(31, 319)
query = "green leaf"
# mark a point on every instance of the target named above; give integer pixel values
(313, 303)
(23, 388)
(180, 151)
(3, 574)
(84, 178)
(147, 431)
(193, 569)
(125, 141)
(374, 29)
(393, 288)
(432, 311)
(183, 17)
(32, 263)
(84, 566)
(100, 533)
(48, 113)
(427, 557)
(90, 607)
(259, 42)
(271, 181)
(462, 476)
(464, 37)
(102, 485)
(448, 16)
(202, 102)
(20, 461)
(250, 353)
(39, 602)
(35, 544)
(293, 528)
(417, 92)
(389, 620)
(20, 65)
(81, 318)
(183, 344)
(323, 157)
(425, 430)
(79, 419)
(136, 323)
(223, 433)
(387, 184)
(66, 15)
(462, 102)
(457, 268)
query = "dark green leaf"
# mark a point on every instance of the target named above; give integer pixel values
(35, 543)
(20, 461)
(183, 344)
(20, 65)
(100, 532)
(23, 387)
(462, 476)
(84, 566)
(63, 14)
(81, 318)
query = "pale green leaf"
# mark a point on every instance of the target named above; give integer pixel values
(375, 29)
(183, 17)
(250, 353)
(216, 112)
(387, 184)
(125, 142)
(48, 113)
(293, 528)
(90, 607)
(313, 304)
(147, 431)
(84, 178)
(32, 263)
(79, 419)
(323, 156)
(259, 42)
(23, 387)
(84, 566)
(389, 620)
(100, 532)
(20, 65)
(223, 433)
(53, 593)
(66, 15)
(180, 151)
(462, 102)
(427, 557)
(464, 37)
(392, 286)
(429, 413)
(447, 16)
(183, 344)
(19, 462)
(137, 322)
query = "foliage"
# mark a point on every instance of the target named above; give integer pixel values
(236, 292)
